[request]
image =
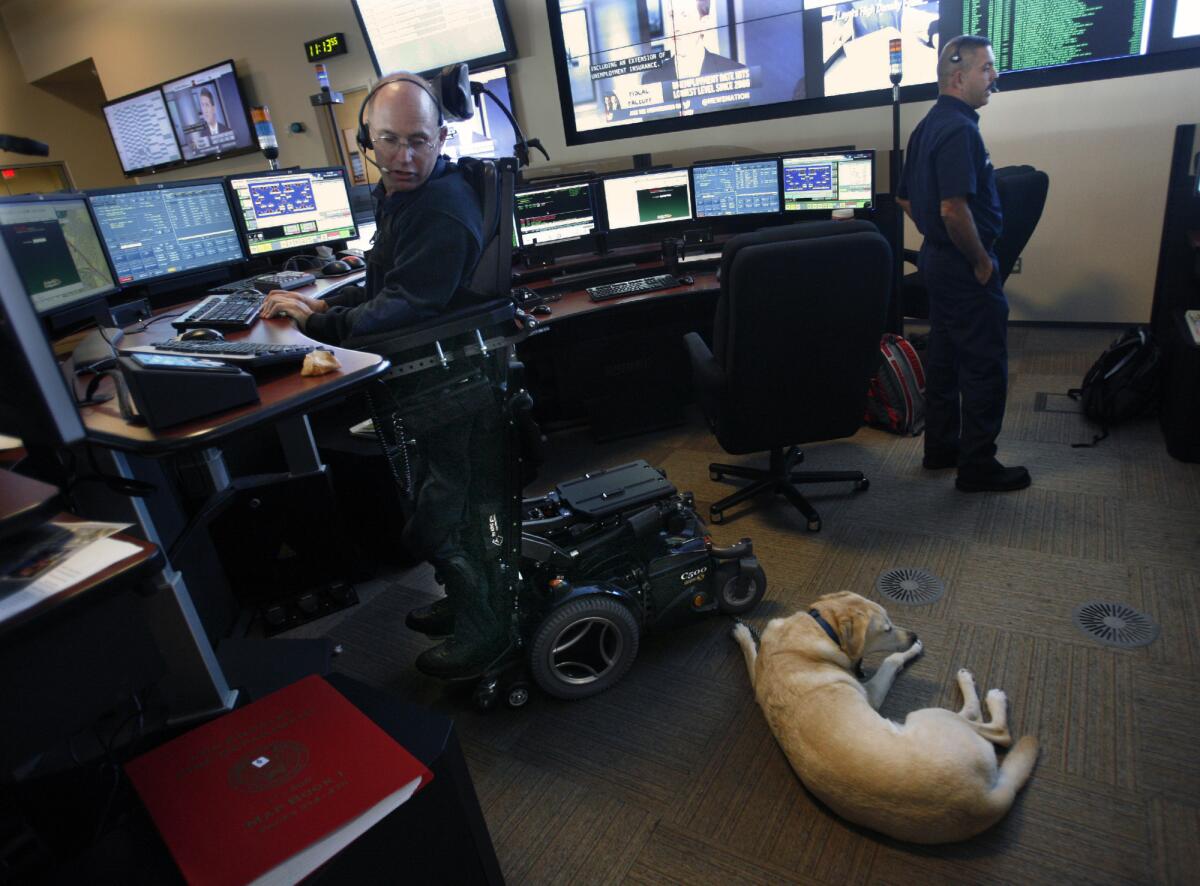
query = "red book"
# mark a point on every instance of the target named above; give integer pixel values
(270, 792)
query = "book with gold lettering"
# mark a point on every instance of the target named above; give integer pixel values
(269, 792)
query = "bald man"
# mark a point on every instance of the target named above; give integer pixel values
(948, 188)
(429, 235)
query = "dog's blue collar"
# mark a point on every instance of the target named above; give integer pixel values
(826, 627)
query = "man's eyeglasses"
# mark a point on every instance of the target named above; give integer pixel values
(415, 145)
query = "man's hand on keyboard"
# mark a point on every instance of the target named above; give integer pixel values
(285, 303)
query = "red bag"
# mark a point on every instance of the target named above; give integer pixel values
(896, 397)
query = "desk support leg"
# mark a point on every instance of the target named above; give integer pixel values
(299, 445)
(194, 686)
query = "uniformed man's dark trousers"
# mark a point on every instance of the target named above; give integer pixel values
(967, 358)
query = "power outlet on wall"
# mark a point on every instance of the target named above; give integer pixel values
(1017, 266)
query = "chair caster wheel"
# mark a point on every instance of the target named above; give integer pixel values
(518, 695)
(716, 517)
(862, 485)
(716, 476)
(814, 525)
(486, 694)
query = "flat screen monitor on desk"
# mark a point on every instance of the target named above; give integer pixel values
(736, 187)
(647, 198)
(550, 215)
(292, 210)
(164, 230)
(35, 403)
(842, 180)
(57, 256)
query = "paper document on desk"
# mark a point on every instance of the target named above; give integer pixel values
(27, 556)
(94, 556)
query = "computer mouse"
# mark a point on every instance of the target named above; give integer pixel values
(541, 310)
(336, 268)
(201, 334)
(354, 261)
(686, 279)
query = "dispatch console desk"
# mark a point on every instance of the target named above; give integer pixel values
(196, 685)
(619, 365)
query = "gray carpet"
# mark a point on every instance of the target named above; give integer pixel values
(673, 777)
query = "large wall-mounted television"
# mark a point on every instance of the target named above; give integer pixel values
(636, 67)
(201, 116)
(425, 35)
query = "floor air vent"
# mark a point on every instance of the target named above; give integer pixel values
(905, 585)
(1115, 624)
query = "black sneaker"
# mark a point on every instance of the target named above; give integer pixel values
(939, 462)
(456, 660)
(434, 620)
(993, 478)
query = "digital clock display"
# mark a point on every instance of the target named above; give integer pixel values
(325, 47)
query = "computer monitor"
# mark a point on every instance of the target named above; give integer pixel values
(280, 211)
(647, 198)
(209, 114)
(35, 403)
(56, 254)
(549, 215)
(821, 181)
(141, 131)
(736, 187)
(488, 133)
(425, 36)
(163, 230)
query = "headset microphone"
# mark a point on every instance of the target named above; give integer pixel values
(995, 87)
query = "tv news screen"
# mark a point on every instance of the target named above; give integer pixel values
(425, 35)
(635, 67)
(208, 113)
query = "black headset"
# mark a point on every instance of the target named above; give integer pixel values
(364, 133)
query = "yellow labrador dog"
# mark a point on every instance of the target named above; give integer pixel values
(932, 779)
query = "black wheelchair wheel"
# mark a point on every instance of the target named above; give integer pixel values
(583, 647)
(741, 592)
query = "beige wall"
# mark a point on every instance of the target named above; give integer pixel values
(75, 136)
(1105, 145)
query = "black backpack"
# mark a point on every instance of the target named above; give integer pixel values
(1123, 384)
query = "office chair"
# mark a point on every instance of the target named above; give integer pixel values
(1022, 192)
(795, 343)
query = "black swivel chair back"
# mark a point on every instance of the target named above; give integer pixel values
(795, 344)
(1022, 191)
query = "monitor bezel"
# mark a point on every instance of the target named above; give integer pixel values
(85, 307)
(593, 187)
(157, 167)
(635, 173)
(218, 180)
(240, 221)
(484, 61)
(237, 82)
(795, 155)
(735, 161)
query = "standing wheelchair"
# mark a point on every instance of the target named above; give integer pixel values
(573, 577)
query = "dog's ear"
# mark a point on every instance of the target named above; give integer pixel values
(852, 632)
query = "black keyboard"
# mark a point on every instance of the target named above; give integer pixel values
(222, 312)
(246, 354)
(631, 287)
(267, 282)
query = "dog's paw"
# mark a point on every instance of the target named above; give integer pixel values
(964, 674)
(996, 697)
(741, 633)
(913, 651)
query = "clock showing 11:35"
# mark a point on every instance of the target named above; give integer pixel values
(325, 47)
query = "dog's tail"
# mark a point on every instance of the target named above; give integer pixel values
(1014, 772)
(746, 638)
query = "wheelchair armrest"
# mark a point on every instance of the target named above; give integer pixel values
(460, 322)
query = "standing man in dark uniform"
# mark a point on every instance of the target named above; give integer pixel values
(948, 188)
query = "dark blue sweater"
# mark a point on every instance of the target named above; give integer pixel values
(427, 243)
